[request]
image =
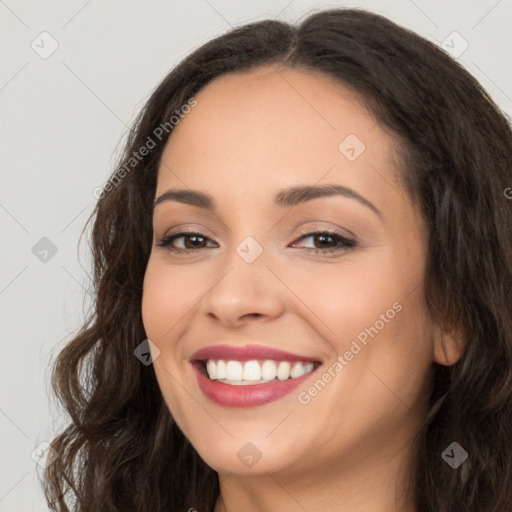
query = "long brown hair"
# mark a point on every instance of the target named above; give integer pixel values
(122, 451)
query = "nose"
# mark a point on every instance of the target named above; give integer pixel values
(244, 291)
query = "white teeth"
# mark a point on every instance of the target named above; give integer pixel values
(297, 370)
(221, 370)
(255, 372)
(252, 371)
(283, 370)
(234, 370)
(268, 370)
(211, 368)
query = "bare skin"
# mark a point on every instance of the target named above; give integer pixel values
(345, 447)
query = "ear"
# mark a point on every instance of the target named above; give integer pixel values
(448, 345)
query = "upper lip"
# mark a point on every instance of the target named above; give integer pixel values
(246, 353)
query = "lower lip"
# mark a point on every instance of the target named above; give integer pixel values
(250, 395)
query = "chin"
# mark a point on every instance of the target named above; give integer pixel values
(244, 457)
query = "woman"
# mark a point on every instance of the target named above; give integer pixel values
(302, 269)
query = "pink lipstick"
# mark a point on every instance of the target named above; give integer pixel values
(250, 375)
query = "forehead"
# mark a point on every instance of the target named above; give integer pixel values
(297, 106)
(271, 127)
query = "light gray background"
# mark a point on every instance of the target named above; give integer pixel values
(62, 118)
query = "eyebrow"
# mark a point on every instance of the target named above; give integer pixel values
(288, 197)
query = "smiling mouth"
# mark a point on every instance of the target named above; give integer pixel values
(244, 373)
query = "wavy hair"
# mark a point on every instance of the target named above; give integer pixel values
(121, 449)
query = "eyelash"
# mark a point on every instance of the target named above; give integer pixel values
(345, 243)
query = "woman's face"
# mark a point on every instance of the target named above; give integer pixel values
(254, 275)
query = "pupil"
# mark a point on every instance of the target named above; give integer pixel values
(189, 241)
(323, 238)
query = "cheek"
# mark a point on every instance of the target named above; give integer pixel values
(376, 315)
(154, 304)
(166, 299)
(345, 298)
(164, 305)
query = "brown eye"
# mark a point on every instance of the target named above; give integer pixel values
(187, 242)
(327, 241)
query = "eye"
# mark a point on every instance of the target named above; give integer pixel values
(189, 242)
(326, 242)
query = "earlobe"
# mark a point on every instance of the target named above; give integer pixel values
(448, 345)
